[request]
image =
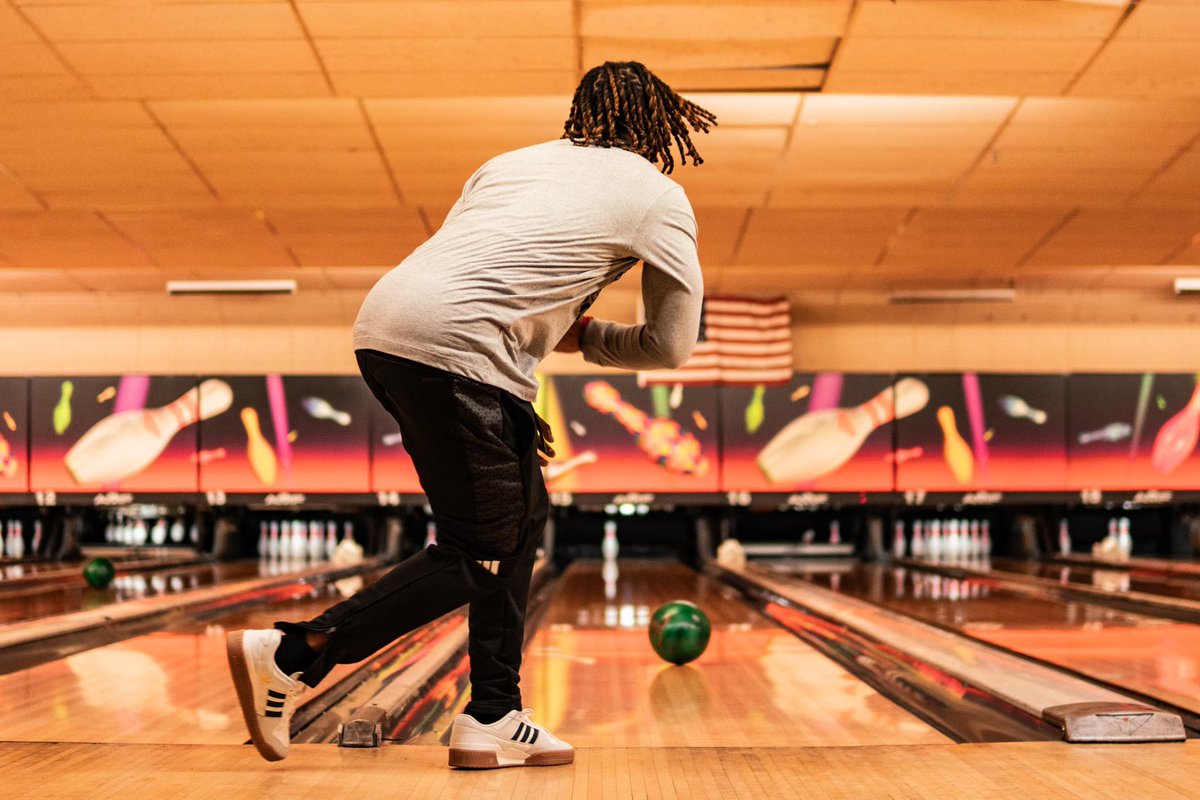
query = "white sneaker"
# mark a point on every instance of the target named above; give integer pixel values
(512, 741)
(267, 696)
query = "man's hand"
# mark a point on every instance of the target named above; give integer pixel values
(572, 339)
(545, 452)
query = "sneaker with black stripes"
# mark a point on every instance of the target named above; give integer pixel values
(267, 696)
(511, 741)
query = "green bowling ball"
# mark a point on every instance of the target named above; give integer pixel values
(679, 632)
(99, 573)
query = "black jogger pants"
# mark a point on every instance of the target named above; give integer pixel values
(474, 447)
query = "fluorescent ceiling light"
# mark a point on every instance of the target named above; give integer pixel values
(231, 287)
(1187, 286)
(954, 296)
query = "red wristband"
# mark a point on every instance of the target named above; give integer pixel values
(585, 321)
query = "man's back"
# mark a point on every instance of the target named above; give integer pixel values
(537, 233)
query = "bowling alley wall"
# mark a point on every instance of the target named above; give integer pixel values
(856, 434)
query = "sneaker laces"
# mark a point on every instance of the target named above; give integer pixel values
(524, 715)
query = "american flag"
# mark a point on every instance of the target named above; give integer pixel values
(742, 340)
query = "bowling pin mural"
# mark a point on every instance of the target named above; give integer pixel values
(62, 411)
(1017, 408)
(258, 450)
(755, 410)
(661, 439)
(125, 443)
(1176, 439)
(820, 442)
(955, 450)
(319, 408)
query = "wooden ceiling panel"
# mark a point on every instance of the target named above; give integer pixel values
(14, 195)
(433, 55)
(1087, 113)
(523, 114)
(438, 20)
(42, 87)
(818, 236)
(968, 239)
(668, 54)
(65, 238)
(859, 110)
(746, 21)
(1178, 185)
(1013, 56)
(208, 239)
(139, 22)
(747, 108)
(831, 192)
(249, 114)
(73, 116)
(29, 58)
(37, 280)
(1118, 237)
(216, 86)
(127, 196)
(13, 28)
(473, 83)
(984, 19)
(892, 138)
(951, 82)
(191, 57)
(374, 237)
(762, 79)
(1159, 20)
(258, 139)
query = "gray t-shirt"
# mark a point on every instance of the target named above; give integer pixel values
(537, 233)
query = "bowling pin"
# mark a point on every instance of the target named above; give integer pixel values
(316, 541)
(273, 541)
(177, 532)
(110, 530)
(264, 538)
(1124, 538)
(933, 545)
(330, 539)
(976, 541)
(985, 536)
(1017, 407)
(194, 532)
(820, 442)
(127, 442)
(348, 531)
(299, 543)
(62, 411)
(610, 572)
(36, 547)
(918, 540)
(610, 547)
(158, 534)
(755, 412)
(950, 543)
(140, 533)
(258, 450)
(955, 450)
(1064, 537)
(898, 543)
(835, 532)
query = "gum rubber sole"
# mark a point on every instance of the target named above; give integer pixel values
(245, 692)
(486, 759)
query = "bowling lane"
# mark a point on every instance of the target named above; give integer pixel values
(169, 687)
(591, 676)
(1110, 578)
(1154, 656)
(21, 603)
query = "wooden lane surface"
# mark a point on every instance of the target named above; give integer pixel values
(1043, 770)
(22, 603)
(591, 677)
(171, 686)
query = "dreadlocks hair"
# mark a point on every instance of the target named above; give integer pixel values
(623, 104)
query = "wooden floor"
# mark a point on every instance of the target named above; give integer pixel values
(1046, 771)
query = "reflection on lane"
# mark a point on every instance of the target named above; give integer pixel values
(1154, 656)
(591, 676)
(42, 600)
(1117, 578)
(171, 686)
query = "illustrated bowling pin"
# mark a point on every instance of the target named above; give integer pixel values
(319, 408)
(1064, 537)
(1017, 407)
(258, 450)
(955, 450)
(62, 410)
(1112, 432)
(610, 547)
(127, 442)
(1177, 438)
(755, 412)
(820, 442)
